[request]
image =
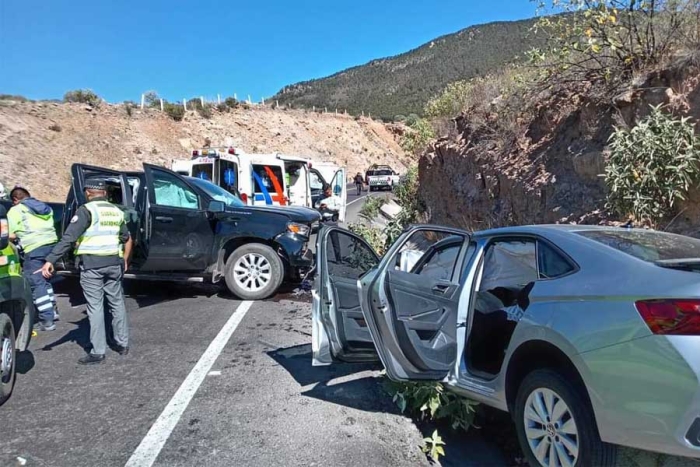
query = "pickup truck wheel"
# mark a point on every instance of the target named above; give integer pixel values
(7, 357)
(254, 271)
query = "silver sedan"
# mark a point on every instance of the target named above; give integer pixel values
(589, 337)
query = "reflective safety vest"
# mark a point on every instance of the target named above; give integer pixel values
(34, 230)
(9, 262)
(101, 238)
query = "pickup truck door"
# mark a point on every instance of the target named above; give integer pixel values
(118, 192)
(179, 234)
(340, 189)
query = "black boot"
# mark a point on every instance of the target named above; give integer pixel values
(91, 359)
(121, 350)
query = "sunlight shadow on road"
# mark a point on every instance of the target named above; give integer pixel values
(340, 383)
(297, 361)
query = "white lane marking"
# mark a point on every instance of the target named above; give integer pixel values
(215, 373)
(356, 200)
(147, 452)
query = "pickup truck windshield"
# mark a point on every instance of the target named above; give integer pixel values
(217, 192)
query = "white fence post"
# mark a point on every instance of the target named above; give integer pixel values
(325, 110)
(235, 96)
(218, 99)
(250, 100)
(184, 104)
(162, 107)
(143, 100)
(277, 104)
(263, 101)
(313, 108)
(201, 99)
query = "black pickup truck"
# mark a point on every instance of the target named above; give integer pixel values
(189, 229)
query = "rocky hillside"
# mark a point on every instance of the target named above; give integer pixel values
(551, 171)
(404, 83)
(40, 140)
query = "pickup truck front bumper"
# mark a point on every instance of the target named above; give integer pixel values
(296, 251)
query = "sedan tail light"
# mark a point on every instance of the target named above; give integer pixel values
(679, 317)
(244, 198)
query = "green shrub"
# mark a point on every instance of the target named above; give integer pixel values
(231, 102)
(222, 107)
(204, 111)
(372, 235)
(416, 140)
(174, 111)
(370, 209)
(151, 99)
(129, 108)
(652, 166)
(11, 97)
(82, 96)
(429, 401)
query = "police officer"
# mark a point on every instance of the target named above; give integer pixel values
(31, 223)
(98, 230)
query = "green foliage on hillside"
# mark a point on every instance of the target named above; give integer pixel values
(403, 84)
(652, 166)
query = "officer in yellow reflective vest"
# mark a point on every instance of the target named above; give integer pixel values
(31, 223)
(102, 248)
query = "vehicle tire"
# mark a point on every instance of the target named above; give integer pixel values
(571, 432)
(8, 357)
(254, 271)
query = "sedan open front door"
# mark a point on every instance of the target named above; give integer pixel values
(339, 328)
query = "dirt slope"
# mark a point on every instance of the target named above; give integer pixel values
(552, 171)
(39, 141)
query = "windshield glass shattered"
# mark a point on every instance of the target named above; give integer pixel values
(217, 192)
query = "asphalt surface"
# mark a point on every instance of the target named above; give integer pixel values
(261, 403)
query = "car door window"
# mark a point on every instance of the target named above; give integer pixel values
(315, 181)
(348, 257)
(440, 263)
(430, 253)
(551, 263)
(173, 192)
(511, 263)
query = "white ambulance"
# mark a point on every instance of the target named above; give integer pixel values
(263, 179)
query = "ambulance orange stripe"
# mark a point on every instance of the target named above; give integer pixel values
(278, 188)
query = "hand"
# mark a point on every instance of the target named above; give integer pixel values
(126, 264)
(46, 270)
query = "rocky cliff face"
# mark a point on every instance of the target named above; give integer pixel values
(552, 171)
(39, 141)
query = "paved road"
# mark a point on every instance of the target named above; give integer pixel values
(210, 381)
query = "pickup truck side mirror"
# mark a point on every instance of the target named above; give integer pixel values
(216, 206)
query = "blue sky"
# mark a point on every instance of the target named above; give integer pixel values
(182, 49)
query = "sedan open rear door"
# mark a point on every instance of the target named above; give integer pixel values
(339, 330)
(411, 301)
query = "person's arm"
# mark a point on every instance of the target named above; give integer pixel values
(13, 222)
(125, 238)
(77, 227)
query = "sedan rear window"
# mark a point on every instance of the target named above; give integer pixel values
(649, 245)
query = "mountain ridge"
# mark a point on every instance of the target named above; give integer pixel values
(403, 83)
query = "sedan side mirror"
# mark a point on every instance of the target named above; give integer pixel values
(216, 206)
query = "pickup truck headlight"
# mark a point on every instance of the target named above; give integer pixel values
(299, 229)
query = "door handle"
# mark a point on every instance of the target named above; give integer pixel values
(164, 219)
(440, 288)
